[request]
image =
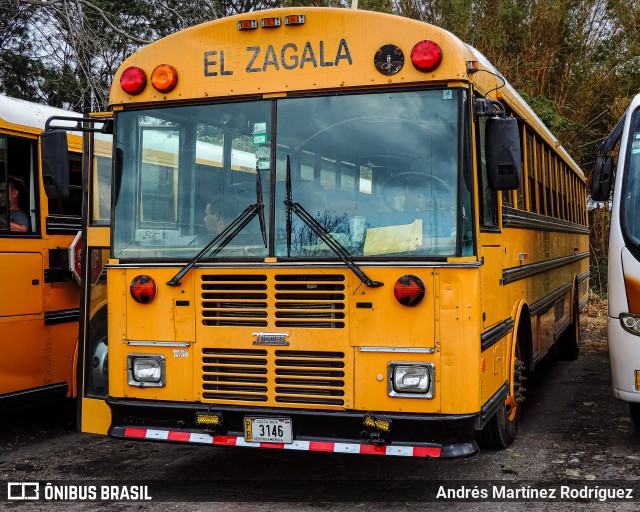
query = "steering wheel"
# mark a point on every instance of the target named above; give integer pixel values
(401, 179)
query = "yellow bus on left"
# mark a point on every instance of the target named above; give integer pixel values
(39, 298)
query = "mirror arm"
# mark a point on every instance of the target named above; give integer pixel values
(486, 107)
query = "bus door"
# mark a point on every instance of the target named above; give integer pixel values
(95, 416)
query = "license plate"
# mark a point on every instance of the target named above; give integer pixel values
(267, 430)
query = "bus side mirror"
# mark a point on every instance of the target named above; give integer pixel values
(601, 178)
(55, 163)
(502, 149)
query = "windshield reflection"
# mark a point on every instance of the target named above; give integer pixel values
(379, 172)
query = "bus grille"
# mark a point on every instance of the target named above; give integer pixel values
(312, 378)
(315, 301)
(301, 377)
(301, 300)
(230, 374)
(234, 300)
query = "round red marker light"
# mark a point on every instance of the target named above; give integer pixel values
(133, 80)
(409, 290)
(143, 289)
(426, 56)
(164, 78)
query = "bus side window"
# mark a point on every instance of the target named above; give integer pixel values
(488, 197)
(18, 200)
(66, 213)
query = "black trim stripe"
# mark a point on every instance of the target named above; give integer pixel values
(34, 396)
(489, 409)
(513, 274)
(514, 218)
(495, 334)
(546, 302)
(583, 304)
(61, 316)
(584, 276)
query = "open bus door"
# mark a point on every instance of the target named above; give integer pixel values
(89, 253)
(93, 382)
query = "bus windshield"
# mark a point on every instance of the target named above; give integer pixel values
(631, 196)
(378, 171)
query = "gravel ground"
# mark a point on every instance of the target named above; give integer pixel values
(573, 431)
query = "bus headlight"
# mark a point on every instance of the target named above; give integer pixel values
(415, 380)
(146, 370)
(630, 323)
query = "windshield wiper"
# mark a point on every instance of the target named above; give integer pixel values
(230, 232)
(322, 233)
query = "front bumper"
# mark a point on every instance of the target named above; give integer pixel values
(413, 435)
(624, 354)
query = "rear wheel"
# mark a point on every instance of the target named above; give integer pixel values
(502, 429)
(634, 409)
(568, 345)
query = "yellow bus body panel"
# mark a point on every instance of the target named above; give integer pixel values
(378, 330)
(96, 416)
(334, 49)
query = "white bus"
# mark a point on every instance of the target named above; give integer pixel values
(624, 253)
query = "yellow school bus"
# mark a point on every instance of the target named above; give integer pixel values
(407, 242)
(40, 297)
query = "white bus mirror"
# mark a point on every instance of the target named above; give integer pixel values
(601, 178)
(504, 157)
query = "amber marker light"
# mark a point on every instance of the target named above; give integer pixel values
(164, 78)
(409, 290)
(143, 289)
(247, 24)
(133, 80)
(426, 56)
(294, 19)
(270, 22)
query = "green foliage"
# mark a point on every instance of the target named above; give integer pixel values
(546, 111)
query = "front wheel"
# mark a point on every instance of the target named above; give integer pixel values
(502, 429)
(98, 371)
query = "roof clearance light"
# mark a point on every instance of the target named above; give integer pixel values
(426, 56)
(409, 290)
(247, 24)
(270, 22)
(133, 80)
(143, 289)
(164, 78)
(294, 19)
(473, 66)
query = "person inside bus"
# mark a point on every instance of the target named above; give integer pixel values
(18, 220)
(214, 221)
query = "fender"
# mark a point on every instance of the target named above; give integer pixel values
(521, 314)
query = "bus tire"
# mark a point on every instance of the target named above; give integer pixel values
(98, 379)
(502, 428)
(634, 410)
(568, 344)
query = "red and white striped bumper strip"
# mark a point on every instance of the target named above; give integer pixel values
(312, 446)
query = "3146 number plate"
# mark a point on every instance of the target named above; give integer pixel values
(267, 430)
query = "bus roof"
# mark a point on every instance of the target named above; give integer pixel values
(334, 49)
(32, 115)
